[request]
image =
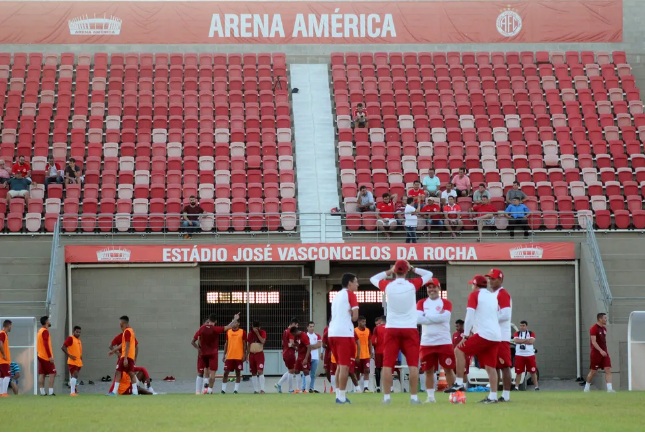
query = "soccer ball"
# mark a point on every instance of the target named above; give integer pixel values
(458, 397)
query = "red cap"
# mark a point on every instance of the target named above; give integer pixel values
(496, 274)
(435, 282)
(401, 267)
(479, 281)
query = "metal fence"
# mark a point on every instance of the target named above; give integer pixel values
(599, 268)
(52, 282)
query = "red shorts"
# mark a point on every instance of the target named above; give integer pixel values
(256, 362)
(404, 340)
(344, 350)
(469, 359)
(45, 367)
(363, 366)
(378, 360)
(332, 368)
(143, 370)
(73, 369)
(207, 361)
(5, 370)
(598, 361)
(433, 356)
(289, 359)
(525, 363)
(504, 355)
(125, 369)
(484, 350)
(303, 365)
(233, 365)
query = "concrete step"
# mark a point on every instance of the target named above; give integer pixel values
(22, 310)
(23, 295)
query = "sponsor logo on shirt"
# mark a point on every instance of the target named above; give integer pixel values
(528, 252)
(93, 26)
(113, 255)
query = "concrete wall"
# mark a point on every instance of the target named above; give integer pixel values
(544, 297)
(163, 306)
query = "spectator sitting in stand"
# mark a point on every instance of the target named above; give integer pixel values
(485, 215)
(365, 200)
(418, 193)
(72, 172)
(399, 213)
(23, 167)
(5, 173)
(449, 192)
(190, 216)
(18, 187)
(518, 217)
(360, 117)
(462, 183)
(431, 184)
(452, 212)
(432, 213)
(515, 192)
(53, 172)
(386, 220)
(480, 193)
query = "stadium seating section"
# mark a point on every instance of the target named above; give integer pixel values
(148, 131)
(568, 126)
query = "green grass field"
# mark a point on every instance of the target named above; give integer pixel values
(528, 411)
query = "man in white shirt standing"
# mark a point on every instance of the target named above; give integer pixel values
(401, 334)
(410, 222)
(525, 354)
(495, 279)
(309, 382)
(481, 314)
(436, 342)
(344, 311)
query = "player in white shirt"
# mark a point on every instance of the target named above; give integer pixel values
(401, 327)
(484, 343)
(495, 279)
(309, 381)
(436, 342)
(344, 311)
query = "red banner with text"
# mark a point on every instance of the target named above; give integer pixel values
(306, 22)
(348, 252)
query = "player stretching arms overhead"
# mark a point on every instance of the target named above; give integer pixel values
(344, 311)
(256, 339)
(235, 355)
(401, 332)
(73, 349)
(436, 345)
(481, 315)
(289, 357)
(206, 340)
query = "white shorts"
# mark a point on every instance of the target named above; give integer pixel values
(489, 222)
(21, 193)
(387, 221)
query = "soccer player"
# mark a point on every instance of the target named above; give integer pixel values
(206, 340)
(5, 358)
(201, 368)
(46, 365)
(436, 343)
(309, 382)
(495, 279)
(378, 339)
(235, 355)
(402, 334)
(481, 315)
(363, 353)
(456, 339)
(344, 311)
(303, 350)
(289, 357)
(525, 354)
(143, 385)
(73, 349)
(599, 356)
(127, 357)
(256, 339)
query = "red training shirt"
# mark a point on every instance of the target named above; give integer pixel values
(601, 337)
(386, 210)
(209, 339)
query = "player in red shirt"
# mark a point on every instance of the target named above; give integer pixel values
(432, 213)
(201, 368)
(456, 339)
(289, 357)
(485, 215)
(378, 339)
(453, 221)
(599, 356)
(22, 167)
(303, 351)
(385, 209)
(256, 339)
(206, 341)
(418, 193)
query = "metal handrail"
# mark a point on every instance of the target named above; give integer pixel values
(601, 276)
(51, 282)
